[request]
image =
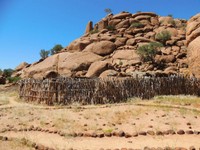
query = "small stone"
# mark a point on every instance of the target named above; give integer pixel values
(189, 132)
(80, 134)
(40, 147)
(94, 135)
(1, 137)
(159, 133)
(101, 135)
(121, 133)
(189, 124)
(171, 132)
(142, 133)
(55, 132)
(180, 148)
(74, 134)
(180, 132)
(150, 126)
(62, 134)
(127, 135)
(166, 132)
(147, 148)
(108, 134)
(196, 132)
(151, 132)
(87, 135)
(115, 134)
(135, 134)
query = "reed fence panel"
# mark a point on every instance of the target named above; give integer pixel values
(101, 91)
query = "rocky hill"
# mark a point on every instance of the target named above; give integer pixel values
(110, 48)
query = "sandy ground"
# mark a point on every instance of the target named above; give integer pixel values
(134, 116)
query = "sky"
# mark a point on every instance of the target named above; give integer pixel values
(27, 26)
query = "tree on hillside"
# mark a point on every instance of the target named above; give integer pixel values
(56, 49)
(108, 11)
(44, 53)
(7, 72)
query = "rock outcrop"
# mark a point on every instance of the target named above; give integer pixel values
(110, 48)
(193, 42)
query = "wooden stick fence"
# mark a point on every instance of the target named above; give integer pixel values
(101, 91)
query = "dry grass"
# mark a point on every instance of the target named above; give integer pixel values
(178, 100)
(3, 99)
(15, 145)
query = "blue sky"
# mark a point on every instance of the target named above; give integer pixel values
(27, 26)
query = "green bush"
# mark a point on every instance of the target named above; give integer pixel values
(137, 25)
(44, 54)
(7, 72)
(13, 79)
(148, 51)
(56, 49)
(163, 36)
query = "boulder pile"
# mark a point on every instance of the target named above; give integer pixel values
(109, 48)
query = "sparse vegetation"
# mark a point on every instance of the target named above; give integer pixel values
(13, 79)
(163, 36)
(148, 51)
(94, 31)
(44, 53)
(110, 28)
(137, 25)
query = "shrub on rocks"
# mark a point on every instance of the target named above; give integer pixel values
(163, 36)
(137, 25)
(148, 51)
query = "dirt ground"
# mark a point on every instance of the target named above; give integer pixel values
(137, 124)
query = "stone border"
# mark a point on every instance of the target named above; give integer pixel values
(27, 143)
(42, 147)
(105, 134)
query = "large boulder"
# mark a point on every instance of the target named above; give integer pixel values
(97, 68)
(151, 14)
(38, 70)
(122, 15)
(101, 48)
(193, 41)
(108, 73)
(62, 64)
(78, 45)
(21, 66)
